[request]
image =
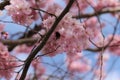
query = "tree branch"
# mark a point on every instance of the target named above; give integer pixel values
(30, 33)
(40, 46)
(103, 11)
(33, 40)
(20, 41)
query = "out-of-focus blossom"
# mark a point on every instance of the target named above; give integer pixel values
(77, 63)
(100, 4)
(38, 68)
(99, 73)
(7, 63)
(23, 49)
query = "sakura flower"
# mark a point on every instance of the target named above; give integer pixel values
(23, 49)
(77, 63)
(100, 4)
(7, 63)
(52, 9)
(80, 4)
(99, 73)
(40, 3)
(77, 66)
(38, 68)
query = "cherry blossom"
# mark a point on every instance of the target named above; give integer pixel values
(20, 13)
(100, 4)
(74, 64)
(83, 6)
(3, 34)
(23, 49)
(38, 68)
(97, 72)
(40, 3)
(7, 62)
(52, 9)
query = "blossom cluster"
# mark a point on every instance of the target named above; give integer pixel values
(38, 68)
(97, 5)
(78, 63)
(100, 4)
(22, 11)
(69, 36)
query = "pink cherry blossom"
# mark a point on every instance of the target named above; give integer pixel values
(2, 31)
(40, 3)
(98, 72)
(23, 49)
(20, 12)
(77, 63)
(100, 4)
(83, 6)
(52, 9)
(7, 63)
(38, 68)
(77, 66)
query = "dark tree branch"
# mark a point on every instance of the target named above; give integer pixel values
(29, 34)
(20, 41)
(103, 11)
(40, 46)
(34, 40)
